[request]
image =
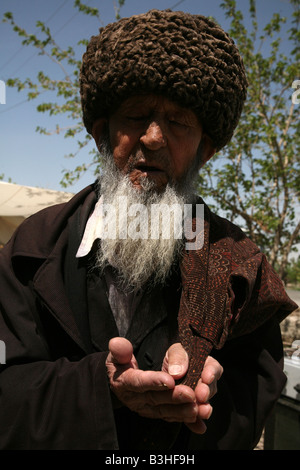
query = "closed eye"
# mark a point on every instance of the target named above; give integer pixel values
(177, 123)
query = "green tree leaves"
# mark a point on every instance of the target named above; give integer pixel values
(255, 179)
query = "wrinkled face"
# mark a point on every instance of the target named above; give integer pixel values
(155, 138)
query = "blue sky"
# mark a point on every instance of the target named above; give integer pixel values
(27, 157)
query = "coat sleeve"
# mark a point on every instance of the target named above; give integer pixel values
(46, 403)
(251, 384)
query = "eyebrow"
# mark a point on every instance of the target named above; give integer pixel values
(150, 104)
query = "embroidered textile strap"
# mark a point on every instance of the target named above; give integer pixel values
(229, 290)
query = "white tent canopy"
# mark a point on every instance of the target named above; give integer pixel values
(18, 202)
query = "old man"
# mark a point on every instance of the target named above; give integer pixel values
(143, 342)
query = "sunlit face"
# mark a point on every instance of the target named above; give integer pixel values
(153, 137)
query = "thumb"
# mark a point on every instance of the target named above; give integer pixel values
(121, 350)
(176, 361)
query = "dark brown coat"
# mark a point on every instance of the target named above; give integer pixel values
(54, 392)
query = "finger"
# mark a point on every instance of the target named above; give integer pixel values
(186, 413)
(212, 371)
(154, 399)
(205, 392)
(204, 411)
(202, 392)
(139, 381)
(198, 427)
(180, 394)
(207, 385)
(176, 361)
(121, 350)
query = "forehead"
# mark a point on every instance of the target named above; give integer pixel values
(155, 103)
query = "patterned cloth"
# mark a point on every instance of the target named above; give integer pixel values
(229, 290)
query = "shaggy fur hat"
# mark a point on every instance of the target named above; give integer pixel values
(187, 58)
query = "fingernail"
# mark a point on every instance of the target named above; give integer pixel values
(175, 369)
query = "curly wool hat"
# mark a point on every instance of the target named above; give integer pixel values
(187, 58)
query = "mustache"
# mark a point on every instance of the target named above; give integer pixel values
(157, 159)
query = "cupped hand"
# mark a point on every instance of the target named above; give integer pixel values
(152, 394)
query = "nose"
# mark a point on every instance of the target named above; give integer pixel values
(154, 137)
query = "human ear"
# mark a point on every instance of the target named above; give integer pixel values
(99, 131)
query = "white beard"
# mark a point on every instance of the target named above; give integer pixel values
(139, 261)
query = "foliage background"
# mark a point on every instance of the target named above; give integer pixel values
(254, 182)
